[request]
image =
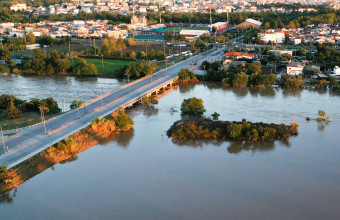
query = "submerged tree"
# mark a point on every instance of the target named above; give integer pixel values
(192, 106)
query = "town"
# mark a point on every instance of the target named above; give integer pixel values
(163, 109)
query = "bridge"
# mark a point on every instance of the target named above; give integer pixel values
(32, 140)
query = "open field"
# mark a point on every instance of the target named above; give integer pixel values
(76, 45)
(28, 118)
(110, 66)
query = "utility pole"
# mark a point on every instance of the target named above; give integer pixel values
(69, 49)
(64, 105)
(42, 115)
(102, 96)
(84, 105)
(3, 140)
(103, 62)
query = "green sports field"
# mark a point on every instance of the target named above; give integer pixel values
(177, 29)
(110, 66)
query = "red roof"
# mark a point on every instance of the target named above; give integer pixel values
(231, 54)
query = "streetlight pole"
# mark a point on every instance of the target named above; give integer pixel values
(3, 140)
(84, 104)
(42, 114)
(103, 62)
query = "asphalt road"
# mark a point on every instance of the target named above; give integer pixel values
(32, 140)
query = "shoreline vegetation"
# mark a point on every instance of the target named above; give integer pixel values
(67, 149)
(244, 130)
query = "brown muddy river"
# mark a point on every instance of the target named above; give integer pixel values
(144, 175)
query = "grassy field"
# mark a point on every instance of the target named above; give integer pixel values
(76, 45)
(28, 118)
(177, 29)
(110, 66)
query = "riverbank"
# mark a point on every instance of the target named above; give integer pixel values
(231, 130)
(96, 133)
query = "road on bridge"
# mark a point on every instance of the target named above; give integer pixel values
(32, 140)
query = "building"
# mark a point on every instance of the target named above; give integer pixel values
(295, 68)
(249, 23)
(18, 7)
(221, 27)
(192, 34)
(273, 36)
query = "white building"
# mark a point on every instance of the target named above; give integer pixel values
(295, 68)
(192, 34)
(273, 36)
(18, 7)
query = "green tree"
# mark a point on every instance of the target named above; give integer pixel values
(75, 104)
(215, 116)
(192, 47)
(148, 101)
(12, 111)
(254, 67)
(192, 106)
(83, 68)
(64, 65)
(122, 120)
(186, 75)
(30, 38)
(240, 80)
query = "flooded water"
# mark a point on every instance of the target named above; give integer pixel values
(141, 174)
(64, 89)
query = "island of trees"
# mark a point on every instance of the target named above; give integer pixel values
(206, 128)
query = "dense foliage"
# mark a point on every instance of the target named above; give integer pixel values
(137, 70)
(186, 75)
(247, 131)
(82, 68)
(192, 106)
(15, 106)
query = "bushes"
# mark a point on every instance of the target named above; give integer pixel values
(122, 120)
(66, 145)
(292, 82)
(185, 75)
(192, 106)
(3, 170)
(76, 104)
(83, 68)
(240, 80)
(206, 128)
(148, 101)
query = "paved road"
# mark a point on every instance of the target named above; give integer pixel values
(32, 140)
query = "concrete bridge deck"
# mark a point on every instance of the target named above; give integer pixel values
(32, 140)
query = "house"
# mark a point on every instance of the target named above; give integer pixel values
(295, 68)
(297, 40)
(18, 7)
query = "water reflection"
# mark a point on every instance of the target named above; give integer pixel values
(197, 143)
(265, 92)
(123, 139)
(237, 147)
(148, 112)
(184, 88)
(292, 93)
(7, 197)
(240, 91)
(69, 160)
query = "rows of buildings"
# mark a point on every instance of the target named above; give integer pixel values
(55, 29)
(144, 6)
(322, 33)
